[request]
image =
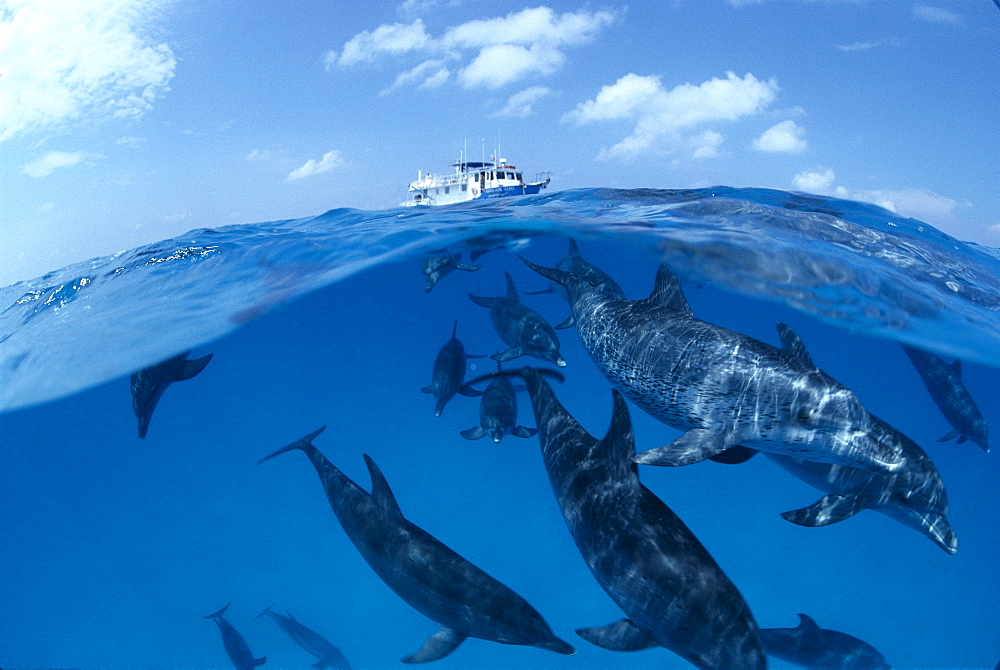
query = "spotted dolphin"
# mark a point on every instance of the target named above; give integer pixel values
(436, 268)
(520, 327)
(810, 646)
(944, 383)
(462, 599)
(328, 655)
(723, 388)
(498, 413)
(147, 385)
(448, 377)
(672, 591)
(236, 647)
(574, 263)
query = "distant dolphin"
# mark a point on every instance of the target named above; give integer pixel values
(329, 655)
(672, 591)
(448, 377)
(498, 413)
(810, 646)
(723, 388)
(430, 577)
(521, 328)
(236, 647)
(435, 268)
(149, 384)
(944, 383)
(573, 263)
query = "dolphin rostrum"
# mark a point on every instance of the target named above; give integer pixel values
(448, 377)
(498, 412)
(328, 654)
(810, 646)
(723, 388)
(435, 268)
(944, 383)
(672, 591)
(520, 327)
(462, 599)
(148, 384)
(236, 647)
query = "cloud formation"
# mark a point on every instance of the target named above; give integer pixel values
(51, 162)
(662, 116)
(64, 61)
(495, 52)
(520, 104)
(917, 203)
(786, 137)
(937, 15)
(330, 161)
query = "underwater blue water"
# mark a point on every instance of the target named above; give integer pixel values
(114, 548)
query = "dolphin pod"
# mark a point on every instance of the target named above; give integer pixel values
(147, 385)
(462, 599)
(236, 647)
(810, 646)
(328, 655)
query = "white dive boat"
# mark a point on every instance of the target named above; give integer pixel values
(472, 181)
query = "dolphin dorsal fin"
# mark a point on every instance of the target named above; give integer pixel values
(381, 493)
(667, 291)
(618, 445)
(807, 626)
(956, 367)
(792, 345)
(511, 289)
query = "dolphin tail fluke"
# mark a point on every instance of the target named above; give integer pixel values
(220, 613)
(521, 431)
(693, 446)
(476, 433)
(620, 636)
(267, 610)
(305, 444)
(437, 646)
(192, 368)
(829, 509)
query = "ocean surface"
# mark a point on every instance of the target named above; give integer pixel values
(113, 548)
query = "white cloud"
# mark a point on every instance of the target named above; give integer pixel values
(785, 137)
(330, 161)
(429, 74)
(706, 144)
(661, 115)
(814, 182)
(366, 46)
(856, 46)
(937, 15)
(502, 64)
(64, 61)
(519, 105)
(51, 162)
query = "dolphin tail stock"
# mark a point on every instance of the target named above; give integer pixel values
(437, 646)
(220, 613)
(829, 509)
(191, 368)
(621, 635)
(305, 444)
(267, 610)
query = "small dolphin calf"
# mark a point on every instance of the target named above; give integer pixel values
(149, 384)
(944, 383)
(448, 377)
(521, 328)
(435, 268)
(329, 656)
(236, 647)
(498, 413)
(723, 388)
(810, 646)
(672, 591)
(430, 577)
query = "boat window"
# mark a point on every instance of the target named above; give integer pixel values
(447, 189)
(517, 176)
(465, 187)
(510, 175)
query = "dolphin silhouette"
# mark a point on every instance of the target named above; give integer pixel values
(436, 268)
(236, 647)
(328, 654)
(498, 412)
(147, 385)
(448, 377)
(810, 646)
(520, 327)
(574, 263)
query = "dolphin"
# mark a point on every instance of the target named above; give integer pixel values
(498, 413)
(462, 599)
(236, 647)
(672, 591)
(944, 383)
(810, 646)
(521, 328)
(574, 263)
(723, 388)
(435, 268)
(148, 384)
(448, 377)
(329, 655)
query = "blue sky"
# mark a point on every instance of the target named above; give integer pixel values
(122, 123)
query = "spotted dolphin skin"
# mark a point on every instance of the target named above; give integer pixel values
(462, 599)
(148, 384)
(673, 592)
(521, 328)
(810, 646)
(328, 655)
(448, 377)
(944, 383)
(498, 413)
(435, 268)
(236, 647)
(721, 387)
(574, 263)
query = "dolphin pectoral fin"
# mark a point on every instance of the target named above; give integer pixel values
(950, 436)
(266, 611)
(521, 431)
(620, 636)
(381, 493)
(962, 438)
(469, 392)
(509, 355)
(427, 389)
(466, 267)
(438, 645)
(192, 368)
(734, 455)
(476, 433)
(488, 303)
(829, 509)
(568, 323)
(257, 662)
(692, 447)
(791, 344)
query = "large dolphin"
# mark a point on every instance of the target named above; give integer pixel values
(448, 377)
(723, 388)
(574, 263)
(435, 268)
(670, 588)
(236, 647)
(462, 599)
(520, 327)
(148, 384)
(498, 413)
(328, 655)
(810, 646)
(944, 383)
